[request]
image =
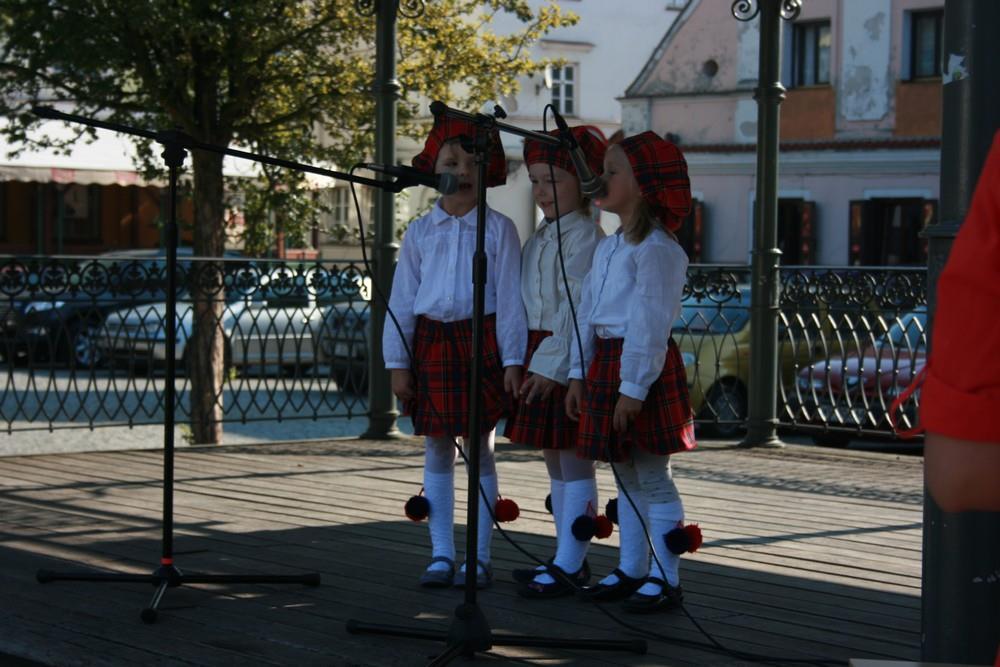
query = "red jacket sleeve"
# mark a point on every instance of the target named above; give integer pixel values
(961, 396)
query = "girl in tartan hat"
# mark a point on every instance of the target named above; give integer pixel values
(432, 300)
(540, 419)
(633, 408)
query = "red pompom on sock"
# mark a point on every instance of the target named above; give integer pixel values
(506, 510)
(694, 536)
(603, 527)
(417, 507)
(590, 525)
(611, 509)
(684, 539)
(584, 527)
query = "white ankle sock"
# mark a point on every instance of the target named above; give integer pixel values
(439, 488)
(633, 550)
(664, 517)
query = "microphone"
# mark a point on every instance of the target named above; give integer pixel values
(590, 185)
(407, 177)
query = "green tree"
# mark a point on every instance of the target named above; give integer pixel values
(256, 73)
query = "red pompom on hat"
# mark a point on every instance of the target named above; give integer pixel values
(661, 172)
(446, 128)
(590, 139)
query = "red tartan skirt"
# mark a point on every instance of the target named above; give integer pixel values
(664, 426)
(544, 423)
(442, 354)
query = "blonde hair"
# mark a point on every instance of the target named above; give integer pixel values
(643, 222)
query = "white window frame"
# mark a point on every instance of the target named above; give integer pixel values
(558, 85)
(340, 206)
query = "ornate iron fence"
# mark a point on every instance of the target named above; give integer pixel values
(83, 342)
(849, 340)
(867, 331)
(83, 338)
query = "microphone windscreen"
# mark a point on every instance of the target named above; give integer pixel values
(447, 184)
(594, 189)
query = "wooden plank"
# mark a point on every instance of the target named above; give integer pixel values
(795, 565)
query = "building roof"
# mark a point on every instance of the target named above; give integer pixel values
(654, 58)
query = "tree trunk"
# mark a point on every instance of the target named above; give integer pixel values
(206, 347)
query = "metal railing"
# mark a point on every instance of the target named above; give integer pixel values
(83, 342)
(849, 340)
(83, 339)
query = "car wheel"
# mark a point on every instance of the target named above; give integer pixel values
(359, 381)
(727, 403)
(84, 344)
(352, 379)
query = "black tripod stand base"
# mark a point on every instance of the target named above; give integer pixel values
(169, 576)
(470, 633)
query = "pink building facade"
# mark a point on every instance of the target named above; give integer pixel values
(860, 127)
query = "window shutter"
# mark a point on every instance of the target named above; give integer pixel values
(690, 233)
(928, 217)
(807, 233)
(855, 238)
(697, 221)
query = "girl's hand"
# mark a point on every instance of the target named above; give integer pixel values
(537, 386)
(626, 410)
(402, 383)
(512, 380)
(574, 398)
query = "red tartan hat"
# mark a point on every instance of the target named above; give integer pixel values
(590, 139)
(661, 171)
(446, 128)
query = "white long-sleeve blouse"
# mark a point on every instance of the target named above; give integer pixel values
(434, 279)
(544, 291)
(632, 292)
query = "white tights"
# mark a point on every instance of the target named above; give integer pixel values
(439, 488)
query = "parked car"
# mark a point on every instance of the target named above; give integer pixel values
(714, 340)
(856, 389)
(57, 319)
(344, 344)
(269, 319)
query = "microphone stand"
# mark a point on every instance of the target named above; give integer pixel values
(470, 631)
(168, 575)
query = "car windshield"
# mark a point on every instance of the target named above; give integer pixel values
(907, 331)
(706, 316)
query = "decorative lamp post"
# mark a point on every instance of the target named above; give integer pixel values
(762, 422)
(382, 412)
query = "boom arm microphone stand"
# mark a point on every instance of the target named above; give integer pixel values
(470, 631)
(168, 575)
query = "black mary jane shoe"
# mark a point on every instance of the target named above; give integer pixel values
(620, 590)
(669, 597)
(524, 575)
(564, 584)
